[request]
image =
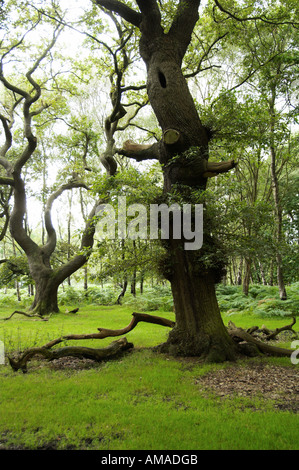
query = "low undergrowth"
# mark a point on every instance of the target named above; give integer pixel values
(261, 300)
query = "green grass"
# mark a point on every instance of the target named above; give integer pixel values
(141, 401)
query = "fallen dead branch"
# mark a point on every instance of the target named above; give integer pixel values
(271, 335)
(105, 333)
(111, 351)
(29, 315)
(238, 334)
(96, 354)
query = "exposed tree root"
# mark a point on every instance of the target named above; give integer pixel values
(248, 343)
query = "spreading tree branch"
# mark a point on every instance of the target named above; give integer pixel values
(87, 241)
(51, 232)
(127, 13)
(183, 24)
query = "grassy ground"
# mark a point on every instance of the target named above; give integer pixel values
(141, 401)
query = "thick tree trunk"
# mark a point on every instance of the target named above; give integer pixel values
(46, 286)
(45, 300)
(183, 154)
(199, 329)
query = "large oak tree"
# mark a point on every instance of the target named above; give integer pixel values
(199, 328)
(183, 153)
(25, 103)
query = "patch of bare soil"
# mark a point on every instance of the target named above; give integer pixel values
(73, 363)
(270, 382)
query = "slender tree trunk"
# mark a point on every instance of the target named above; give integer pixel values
(17, 287)
(85, 278)
(271, 273)
(262, 273)
(246, 278)
(276, 196)
(239, 275)
(141, 284)
(133, 284)
(124, 288)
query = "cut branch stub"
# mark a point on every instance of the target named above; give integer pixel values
(131, 147)
(140, 152)
(171, 136)
(214, 168)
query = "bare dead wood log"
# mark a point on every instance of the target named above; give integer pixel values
(29, 315)
(252, 329)
(111, 351)
(265, 330)
(105, 333)
(241, 334)
(273, 334)
(90, 353)
(137, 317)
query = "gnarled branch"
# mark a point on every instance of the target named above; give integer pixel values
(105, 333)
(271, 335)
(121, 9)
(140, 152)
(214, 168)
(51, 243)
(96, 354)
(239, 333)
(113, 350)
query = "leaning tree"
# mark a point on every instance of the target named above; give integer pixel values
(183, 153)
(25, 103)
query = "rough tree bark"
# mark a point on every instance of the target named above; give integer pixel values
(199, 328)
